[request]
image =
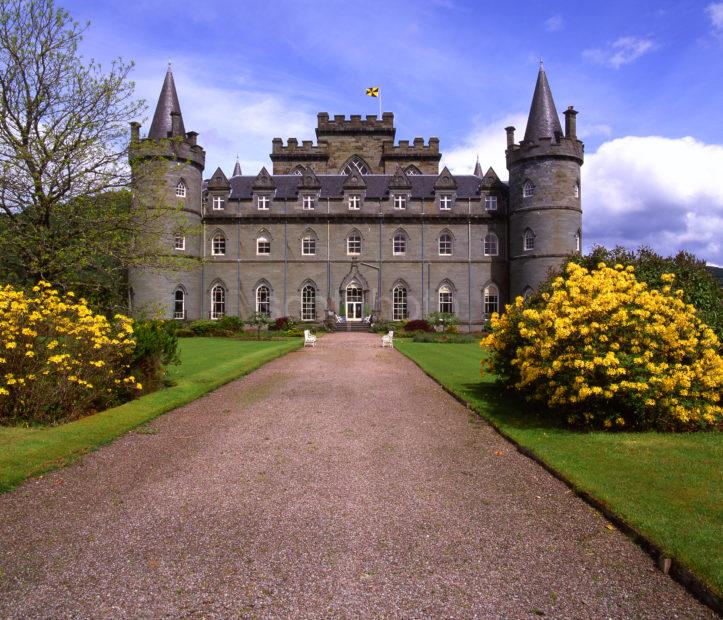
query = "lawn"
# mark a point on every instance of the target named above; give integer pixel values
(206, 363)
(666, 486)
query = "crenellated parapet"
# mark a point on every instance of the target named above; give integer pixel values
(355, 124)
(560, 147)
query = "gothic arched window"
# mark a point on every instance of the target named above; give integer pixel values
(445, 244)
(308, 303)
(491, 299)
(218, 302)
(412, 170)
(355, 164)
(179, 303)
(399, 244)
(491, 245)
(399, 303)
(528, 240)
(353, 243)
(578, 241)
(528, 189)
(218, 244)
(576, 189)
(181, 189)
(263, 244)
(446, 299)
(263, 300)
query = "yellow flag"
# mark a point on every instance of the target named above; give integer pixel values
(373, 91)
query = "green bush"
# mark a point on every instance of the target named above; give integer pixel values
(203, 327)
(156, 347)
(418, 325)
(230, 324)
(448, 338)
(184, 332)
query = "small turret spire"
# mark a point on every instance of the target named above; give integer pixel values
(237, 169)
(478, 169)
(543, 121)
(162, 124)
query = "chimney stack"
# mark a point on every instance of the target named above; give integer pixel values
(570, 123)
(135, 132)
(510, 137)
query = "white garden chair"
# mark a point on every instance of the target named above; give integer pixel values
(388, 340)
(309, 339)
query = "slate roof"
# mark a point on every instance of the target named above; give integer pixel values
(167, 103)
(543, 121)
(422, 186)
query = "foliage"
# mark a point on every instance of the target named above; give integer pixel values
(282, 323)
(445, 337)
(603, 350)
(58, 360)
(443, 319)
(700, 287)
(382, 327)
(418, 325)
(259, 320)
(156, 347)
(665, 485)
(230, 323)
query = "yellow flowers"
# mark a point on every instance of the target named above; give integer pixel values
(605, 350)
(59, 359)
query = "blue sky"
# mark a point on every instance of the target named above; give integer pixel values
(645, 76)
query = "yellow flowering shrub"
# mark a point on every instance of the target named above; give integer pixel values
(58, 360)
(603, 350)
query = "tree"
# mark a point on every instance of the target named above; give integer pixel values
(259, 320)
(63, 158)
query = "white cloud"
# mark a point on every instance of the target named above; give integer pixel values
(715, 12)
(620, 52)
(554, 23)
(489, 142)
(658, 191)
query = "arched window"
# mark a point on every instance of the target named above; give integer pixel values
(528, 189)
(298, 171)
(263, 244)
(353, 244)
(263, 300)
(179, 241)
(491, 300)
(399, 244)
(528, 240)
(181, 189)
(446, 299)
(578, 241)
(179, 303)
(308, 244)
(218, 244)
(576, 189)
(399, 303)
(308, 303)
(218, 302)
(492, 246)
(412, 170)
(445, 244)
(527, 293)
(355, 164)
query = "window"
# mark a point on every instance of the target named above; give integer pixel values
(491, 245)
(578, 240)
(218, 203)
(445, 244)
(399, 303)
(218, 244)
(353, 243)
(446, 302)
(354, 202)
(298, 171)
(576, 189)
(400, 201)
(262, 202)
(491, 300)
(399, 244)
(528, 240)
(181, 189)
(263, 300)
(263, 245)
(308, 303)
(308, 203)
(445, 203)
(218, 302)
(527, 293)
(356, 164)
(179, 304)
(179, 242)
(528, 189)
(490, 203)
(412, 170)
(308, 245)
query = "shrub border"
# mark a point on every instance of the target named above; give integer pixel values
(670, 566)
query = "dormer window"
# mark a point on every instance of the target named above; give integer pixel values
(528, 189)
(354, 202)
(308, 203)
(181, 189)
(262, 203)
(400, 201)
(445, 203)
(490, 203)
(218, 203)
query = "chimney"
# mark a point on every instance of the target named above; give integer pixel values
(135, 132)
(570, 123)
(176, 124)
(510, 137)
(192, 137)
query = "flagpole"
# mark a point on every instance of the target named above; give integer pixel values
(380, 102)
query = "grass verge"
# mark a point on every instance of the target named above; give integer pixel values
(206, 363)
(667, 486)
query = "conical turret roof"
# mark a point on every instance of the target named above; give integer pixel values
(161, 126)
(478, 169)
(543, 121)
(236, 170)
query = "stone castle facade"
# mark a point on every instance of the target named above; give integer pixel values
(359, 225)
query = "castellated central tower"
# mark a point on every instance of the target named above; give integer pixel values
(545, 218)
(168, 176)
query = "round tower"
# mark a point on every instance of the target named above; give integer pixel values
(168, 181)
(545, 218)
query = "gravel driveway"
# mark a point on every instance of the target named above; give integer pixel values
(334, 482)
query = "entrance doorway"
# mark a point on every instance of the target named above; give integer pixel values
(354, 303)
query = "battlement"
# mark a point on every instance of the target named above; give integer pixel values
(570, 148)
(371, 124)
(185, 149)
(418, 150)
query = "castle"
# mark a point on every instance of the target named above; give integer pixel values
(357, 225)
